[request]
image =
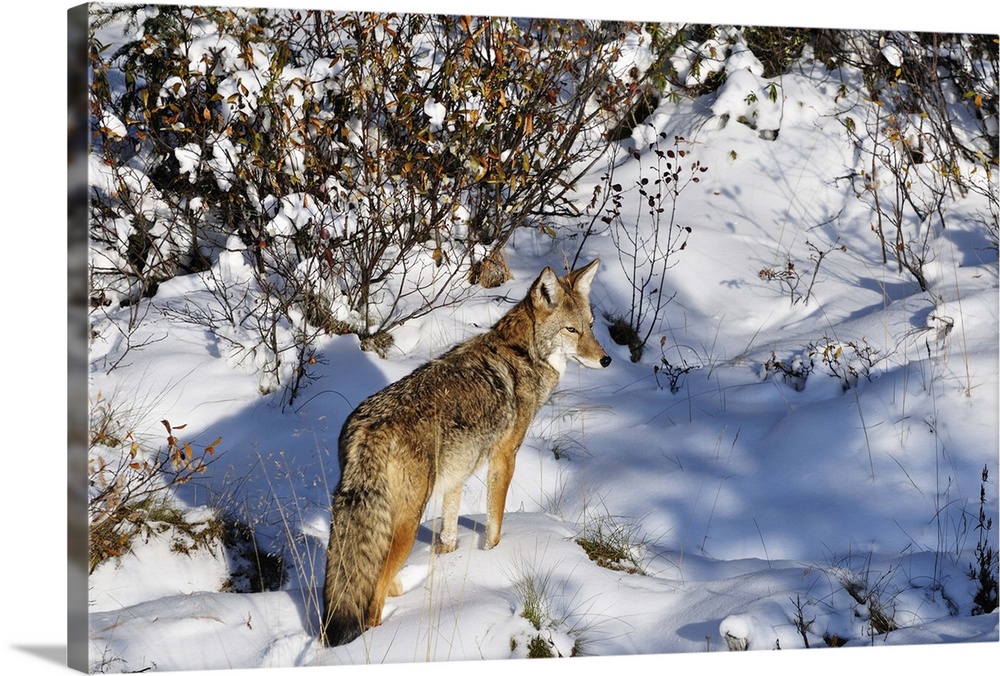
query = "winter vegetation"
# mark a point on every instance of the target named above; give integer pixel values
(795, 447)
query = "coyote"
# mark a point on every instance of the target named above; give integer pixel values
(430, 430)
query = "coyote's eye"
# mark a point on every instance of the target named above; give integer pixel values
(572, 329)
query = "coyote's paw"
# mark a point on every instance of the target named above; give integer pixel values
(442, 547)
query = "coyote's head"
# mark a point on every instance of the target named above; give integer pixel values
(564, 322)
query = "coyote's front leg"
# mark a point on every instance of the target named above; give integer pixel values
(498, 476)
(448, 537)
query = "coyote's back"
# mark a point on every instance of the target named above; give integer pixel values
(432, 429)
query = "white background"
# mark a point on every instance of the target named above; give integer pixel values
(33, 596)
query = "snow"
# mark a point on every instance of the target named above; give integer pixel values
(155, 572)
(747, 492)
(435, 113)
(188, 157)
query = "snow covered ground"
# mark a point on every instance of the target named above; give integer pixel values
(749, 497)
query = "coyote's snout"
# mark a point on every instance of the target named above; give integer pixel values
(430, 430)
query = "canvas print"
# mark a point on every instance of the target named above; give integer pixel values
(424, 338)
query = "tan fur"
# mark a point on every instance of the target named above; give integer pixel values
(432, 429)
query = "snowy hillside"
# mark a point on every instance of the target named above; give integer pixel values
(793, 459)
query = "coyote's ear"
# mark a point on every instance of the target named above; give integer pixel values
(581, 278)
(545, 291)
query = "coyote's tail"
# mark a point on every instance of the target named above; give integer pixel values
(360, 537)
